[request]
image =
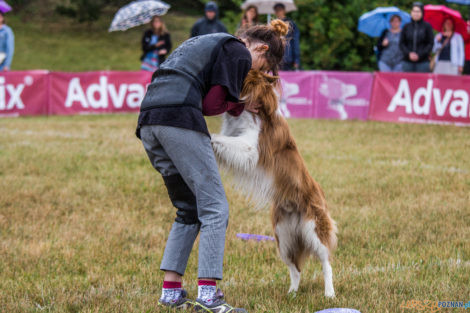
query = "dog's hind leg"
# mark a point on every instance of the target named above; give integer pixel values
(286, 237)
(323, 255)
(294, 278)
(322, 252)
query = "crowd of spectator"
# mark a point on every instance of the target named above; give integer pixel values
(415, 48)
(156, 43)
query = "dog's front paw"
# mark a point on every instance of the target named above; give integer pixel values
(215, 137)
(217, 145)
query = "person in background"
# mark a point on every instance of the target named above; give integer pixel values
(449, 49)
(391, 57)
(156, 44)
(7, 45)
(292, 54)
(416, 41)
(250, 18)
(210, 23)
(466, 68)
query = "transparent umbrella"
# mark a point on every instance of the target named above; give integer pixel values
(137, 13)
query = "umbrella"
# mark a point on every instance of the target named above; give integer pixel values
(373, 23)
(267, 6)
(4, 7)
(464, 2)
(137, 13)
(436, 14)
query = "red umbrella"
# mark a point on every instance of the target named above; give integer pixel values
(437, 14)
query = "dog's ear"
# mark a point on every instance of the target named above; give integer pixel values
(258, 87)
(268, 100)
(249, 93)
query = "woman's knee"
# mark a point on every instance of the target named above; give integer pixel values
(215, 213)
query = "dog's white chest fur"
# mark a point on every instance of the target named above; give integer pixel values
(236, 149)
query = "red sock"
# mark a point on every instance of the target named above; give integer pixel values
(203, 282)
(172, 285)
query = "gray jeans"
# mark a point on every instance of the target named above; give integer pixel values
(172, 151)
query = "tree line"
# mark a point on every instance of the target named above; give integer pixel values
(329, 36)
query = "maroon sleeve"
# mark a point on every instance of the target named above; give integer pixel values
(215, 103)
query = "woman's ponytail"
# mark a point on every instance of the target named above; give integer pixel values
(280, 27)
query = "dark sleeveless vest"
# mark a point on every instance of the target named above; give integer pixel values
(184, 78)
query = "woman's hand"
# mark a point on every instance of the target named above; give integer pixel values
(160, 43)
(252, 107)
(414, 56)
(385, 42)
(162, 52)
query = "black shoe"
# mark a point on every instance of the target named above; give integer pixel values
(217, 306)
(183, 303)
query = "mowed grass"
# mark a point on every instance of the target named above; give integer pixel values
(57, 43)
(84, 218)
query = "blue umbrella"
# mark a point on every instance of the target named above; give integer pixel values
(464, 2)
(137, 13)
(373, 23)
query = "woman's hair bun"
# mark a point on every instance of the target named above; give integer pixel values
(280, 27)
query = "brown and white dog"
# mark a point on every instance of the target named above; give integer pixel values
(262, 155)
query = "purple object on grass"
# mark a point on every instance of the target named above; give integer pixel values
(4, 7)
(338, 311)
(255, 237)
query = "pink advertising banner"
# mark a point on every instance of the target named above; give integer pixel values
(322, 94)
(421, 98)
(24, 93)
(97, 92)
(343, 95)
(396, 97)
(297, 98)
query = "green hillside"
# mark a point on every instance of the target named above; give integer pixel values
(61, 44)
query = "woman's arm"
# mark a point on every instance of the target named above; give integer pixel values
(460, 50)
(380, 45)
(296, 45)
(168, 44)
(403, 46)
(429, 43)
(146, 46)
(215, 103)
(437, 43)
(164, 44)
(10, 48)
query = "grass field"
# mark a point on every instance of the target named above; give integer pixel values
(56, 43)
(84, 218)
